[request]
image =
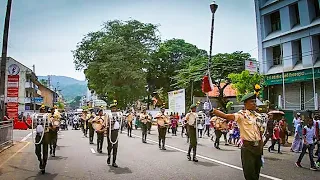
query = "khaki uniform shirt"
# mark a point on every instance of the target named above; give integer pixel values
(91, 117)
(84, 117)
(144, 118)
(162, 119)
(248, 124)
(130, 117)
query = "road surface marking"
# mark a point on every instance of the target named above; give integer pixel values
(213, 160)
(26, 137)
(14, 154)
(92, 150)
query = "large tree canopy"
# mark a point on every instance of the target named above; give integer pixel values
(172, 55)
(221, 66)
(115, 59)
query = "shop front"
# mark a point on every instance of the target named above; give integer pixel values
(296, 91)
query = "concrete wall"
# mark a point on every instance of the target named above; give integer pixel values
(47, 96)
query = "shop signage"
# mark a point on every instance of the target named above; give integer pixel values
(37, 99)
(291, 77)
(251, 66)
(13, 95)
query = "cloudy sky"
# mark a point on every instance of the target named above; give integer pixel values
(43, 32)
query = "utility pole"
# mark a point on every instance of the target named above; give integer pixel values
(4, 60)
(34, 91)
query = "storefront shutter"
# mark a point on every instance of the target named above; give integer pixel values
(309, 101)
(292, 96)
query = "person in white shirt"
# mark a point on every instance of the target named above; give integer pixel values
(308, 136)
(296, 120)
(207, 125)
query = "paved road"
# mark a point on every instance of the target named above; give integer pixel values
(76, 159)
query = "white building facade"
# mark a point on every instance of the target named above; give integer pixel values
(288, 45)
(19, 88)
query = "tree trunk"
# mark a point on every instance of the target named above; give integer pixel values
(221, 99)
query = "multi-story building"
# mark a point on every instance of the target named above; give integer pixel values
(23, 91)
(93, 100)
(288, 44)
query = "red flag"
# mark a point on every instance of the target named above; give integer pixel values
(206, 86)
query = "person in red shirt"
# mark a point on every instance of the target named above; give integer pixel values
(275, 138)
(174, 125)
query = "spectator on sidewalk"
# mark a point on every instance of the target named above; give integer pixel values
(283, 130)
(308, 136)
(207, 124)
(275, 138)
(298, 136)
(296, 120)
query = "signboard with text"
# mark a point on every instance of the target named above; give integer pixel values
(291, 77)
(251, 66)
(13, 96)
(37, 99)
(177, 101)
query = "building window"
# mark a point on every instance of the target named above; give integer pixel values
(276, 55)
(317, 52)
(275, 21)
(294, 13)
(316, 7)
(297, 50)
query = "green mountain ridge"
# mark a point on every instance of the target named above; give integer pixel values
(70, 87)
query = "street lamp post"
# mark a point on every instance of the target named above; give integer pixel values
(4, 60)
(213, 8)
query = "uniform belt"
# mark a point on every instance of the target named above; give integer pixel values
(251, 143)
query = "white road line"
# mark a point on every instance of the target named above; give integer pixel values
(213, 160)
(92, 150)
(26, 137)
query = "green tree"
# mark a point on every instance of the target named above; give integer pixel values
(115, 59)
(221, 66)
(171, 56)
(44, 82)
(60, 105)
(244, 82)
(190, 78)
(75, 102)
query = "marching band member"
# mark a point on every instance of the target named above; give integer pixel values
(91, 116)
(53, 129)
(191, 119)
(113, 126)
(85, 117)
(163, 122)
(249, 122)
(130, 118)
(44, 142)
(99, 123)
(144, 118)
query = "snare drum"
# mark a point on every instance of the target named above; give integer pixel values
(97, 126)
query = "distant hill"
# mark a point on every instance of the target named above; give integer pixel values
(70, 87)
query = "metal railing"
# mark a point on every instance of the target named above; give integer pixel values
(6, 133)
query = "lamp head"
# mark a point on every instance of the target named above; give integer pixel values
(213, 7)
